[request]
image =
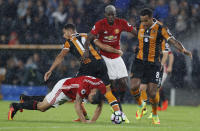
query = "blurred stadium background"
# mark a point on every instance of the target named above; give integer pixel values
(31, 37)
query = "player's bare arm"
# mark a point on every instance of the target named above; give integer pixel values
(179, 46)
(107, 47)
(97, 112)
(171, 61)
(164, 57)
(78, 108)
(134, 32)
(90, 37)
(56, 62)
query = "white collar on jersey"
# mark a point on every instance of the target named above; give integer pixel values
(154, 23)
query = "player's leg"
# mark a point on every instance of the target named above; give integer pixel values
(123, 84)
(153, 75)
(54, 98)
(137, 73)
(143, 88)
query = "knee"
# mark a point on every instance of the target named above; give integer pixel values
(135, 85)
(42, 109)
(152, 93)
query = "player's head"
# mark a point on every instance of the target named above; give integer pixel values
(146, 17)
(95, 96)
(110, 14)
(68, 30)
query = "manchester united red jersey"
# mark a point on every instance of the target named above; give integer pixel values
(110, 34)
(82, 85)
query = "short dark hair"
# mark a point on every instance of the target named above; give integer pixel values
(146, 11)
(70, 26)
(97, 98)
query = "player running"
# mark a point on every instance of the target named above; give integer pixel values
(147, 63)
(166, 68)
(68, 89)
(108, 31)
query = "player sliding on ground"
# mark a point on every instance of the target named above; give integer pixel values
(68, 89)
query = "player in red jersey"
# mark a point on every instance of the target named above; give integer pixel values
(108, 31)
(68, 89)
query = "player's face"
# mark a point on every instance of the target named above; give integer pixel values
(110, 17)
(66, 33)
(146, 21)
(92, 93)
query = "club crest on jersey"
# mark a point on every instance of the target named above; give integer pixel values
(116, 31)
(83, 91)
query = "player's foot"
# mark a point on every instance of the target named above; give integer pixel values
(13, 110)
(165, 105)
(150, 116)
(159, 108)
(155, 119)
(21, 100)
(139, 112)
(78, 120)
(125, 119)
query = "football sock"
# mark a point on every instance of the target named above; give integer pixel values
(33, 98)
(144, 95)
(29, 105)
(112, 101)
(154, 103)
(136, 94)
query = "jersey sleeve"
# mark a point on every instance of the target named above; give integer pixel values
(166, 33)
(126, 26)
(96, 28)
(66, 45)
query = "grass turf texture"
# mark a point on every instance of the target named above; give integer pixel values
(179, 118)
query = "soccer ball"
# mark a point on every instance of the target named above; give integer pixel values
(116, 117)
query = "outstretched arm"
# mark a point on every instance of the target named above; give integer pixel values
(97, 112)
(179, 46)
(107, 48)
(56, 62)
(78, 108)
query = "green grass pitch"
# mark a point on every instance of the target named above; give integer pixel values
(179, 118)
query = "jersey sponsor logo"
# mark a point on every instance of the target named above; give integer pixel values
(111, 37)
(146, 36)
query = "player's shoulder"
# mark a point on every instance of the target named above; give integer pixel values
(120, 20)
(162, 25)
(101, 21)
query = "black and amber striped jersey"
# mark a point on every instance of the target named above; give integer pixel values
(76, 47)
(150, 41)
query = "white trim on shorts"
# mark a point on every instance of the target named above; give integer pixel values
(116, 67)
(56, 97)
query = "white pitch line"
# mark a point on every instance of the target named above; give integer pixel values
(129, 127)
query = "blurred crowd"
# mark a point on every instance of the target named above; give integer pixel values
(41, 22)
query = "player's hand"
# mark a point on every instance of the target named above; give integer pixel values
(90, 121)
(120, 52)
(47, 75)
(188, 53)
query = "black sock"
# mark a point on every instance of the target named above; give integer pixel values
(29, 105)
(33, 98)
